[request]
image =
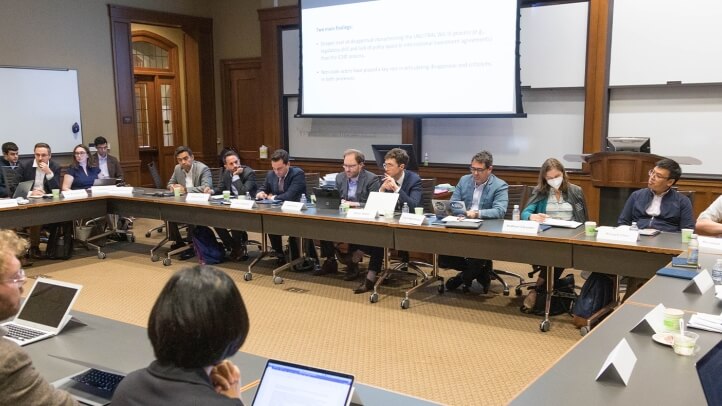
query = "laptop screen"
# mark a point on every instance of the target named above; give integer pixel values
(709, 369)
(284, 383)
(47, 304)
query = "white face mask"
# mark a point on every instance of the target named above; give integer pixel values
(556, 182)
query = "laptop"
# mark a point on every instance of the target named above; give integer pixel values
(92, 386)
(327, 198)
(443, 208)
(381, 202)
(23, 189)
(709, 369)
(287, 383)
(105, 182)
(44, 313)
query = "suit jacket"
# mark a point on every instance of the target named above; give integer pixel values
(114, 169)
(294, 185)
(54, 183)
(200, 173)
(246, 182)
(367, 182)
(169, 385)
(20, 382)
(494, 199)
(410, 191)
(4, 189)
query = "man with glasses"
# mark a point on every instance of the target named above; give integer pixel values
(20, 383)
(108, 164)
(486, 197)
(354, 184)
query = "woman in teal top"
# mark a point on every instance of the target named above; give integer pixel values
(554, 197)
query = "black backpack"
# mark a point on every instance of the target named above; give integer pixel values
(562, 299)
(60, 240)
(597, 292)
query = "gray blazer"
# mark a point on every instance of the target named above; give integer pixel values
(200, 173)
(367, 182)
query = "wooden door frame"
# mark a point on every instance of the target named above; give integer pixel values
(200, 87)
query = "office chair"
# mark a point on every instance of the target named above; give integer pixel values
(313, 180)
(216, 179)
(518, 194)
(158, 183)
(11, 179)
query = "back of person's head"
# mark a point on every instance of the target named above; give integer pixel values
(100, 141)
(675, 171)
(279, 155)
(484, 157)
(198, 320)
(398, 155)
(181, 150)
(10, 244)
(9, 146)
(549, 164)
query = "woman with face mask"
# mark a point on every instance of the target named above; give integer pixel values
(553, 197)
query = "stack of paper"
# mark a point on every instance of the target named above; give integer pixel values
(718, 291)
(704, 321)
(561, 223)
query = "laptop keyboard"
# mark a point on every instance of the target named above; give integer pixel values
(21, 333)
(102, 380)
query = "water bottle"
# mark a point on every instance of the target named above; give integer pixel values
(693, 250)
(248, 195)
(634, 226)
(515, 214)
(303, 199)
(426, 159)
(405, 209)
(717, 272)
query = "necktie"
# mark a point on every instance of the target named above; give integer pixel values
(280, 184)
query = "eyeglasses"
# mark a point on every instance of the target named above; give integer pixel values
(18, 279)
(655, 175)
(388, 165)
(80, 153)
(476, 170)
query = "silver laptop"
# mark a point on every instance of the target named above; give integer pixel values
(44, 313)
(23, 189)
(443, 208)
(381, 202)
(292, 384)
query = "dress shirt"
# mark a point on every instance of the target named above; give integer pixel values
(352, 186)
(478, 191)
(189, 179)
(656, 206)
(103, 165)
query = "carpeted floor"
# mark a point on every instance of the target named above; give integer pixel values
(457, 349)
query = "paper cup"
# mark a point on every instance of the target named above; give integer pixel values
(56, 193)
(176, 191)
(687, 235)
(419, 211)
(590, 228)
(389, 215)
(671, 319)
(226, 195)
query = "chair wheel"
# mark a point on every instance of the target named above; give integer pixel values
(277, 280)
(147, 235)
(441, 289)
(101, 255)
(405, 303)
(167, 261)
(583, 331)
(545, 325)
(247, 276)
(506, 292)
(132, 238)
(374, 297)
(154, 258)
(517, 291)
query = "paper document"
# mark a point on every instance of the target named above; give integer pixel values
(704, 321)
(561, 223)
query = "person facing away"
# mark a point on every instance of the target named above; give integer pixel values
(557, 198)
(108, 164)
(192, 335)
(354, 185)
(239, 180)
(20, 382)
(80, 174)
(10, 161)
(487, 197)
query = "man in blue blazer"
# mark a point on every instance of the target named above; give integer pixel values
(283, 182)
(485, 196)
(408, 186)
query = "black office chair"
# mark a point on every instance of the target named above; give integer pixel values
(313, 180)
(216, 179)
(518, 195)
(158, 184)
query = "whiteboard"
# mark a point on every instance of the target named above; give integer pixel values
(554, 127)
(553, 49)
(680, 121)
(39, 105)
(656, 41)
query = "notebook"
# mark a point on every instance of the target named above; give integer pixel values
(44, 313)
(709, 369)
(23, 189)
(284, 383)
(327, 198)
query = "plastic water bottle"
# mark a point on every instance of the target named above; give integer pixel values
(303, 199)
(426, 159)
(693, 250)
(405, 209)
(515, 214)
(717, 272)
(634, 226)
(248, 195)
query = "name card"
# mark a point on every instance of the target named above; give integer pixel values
(520, 227)
(412, 219)
(8, 203)
(710, 245)
(619, 364)
(242, 204)
(652, 323)
(361, 214)
(617, 235)
(75, 194)
(293, 207)
(111, 191)
(197, 197)
(700, 284)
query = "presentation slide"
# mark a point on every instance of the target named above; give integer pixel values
(409, 57)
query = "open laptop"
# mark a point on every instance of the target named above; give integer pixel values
(327, 198)
(44, 313)
(381, 202)
(286, 383)
(709, 369)
(92, 386)
(105, 182)
(23, 189)
(443, 208)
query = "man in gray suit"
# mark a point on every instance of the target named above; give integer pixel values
(188, 176)
(354, 185)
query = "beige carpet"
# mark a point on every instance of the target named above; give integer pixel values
(457, 349)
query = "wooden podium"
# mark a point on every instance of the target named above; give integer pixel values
(617, 175)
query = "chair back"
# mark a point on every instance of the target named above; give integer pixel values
(216, 178)
(517, 195)
(689, 194)
(153, 169)
(312, 180)
(260, 178)
(11, 179)
(427, 193)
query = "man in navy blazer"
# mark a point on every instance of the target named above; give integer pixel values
(408, 186)
(283, 182)
(487, 197)
(46, 175)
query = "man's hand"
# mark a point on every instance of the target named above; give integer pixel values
(45, 168)
(37, 192)
(388, 184)
(261, 195)
(226, 379)
(207, 190)
(472, 214)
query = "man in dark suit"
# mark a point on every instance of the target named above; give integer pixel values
(239, 180)
(407, 185)
(354, 184)
(46, 175)
(10, 162)
(283, 182)
(108, 164)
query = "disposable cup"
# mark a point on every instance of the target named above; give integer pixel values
(671, 319)
(687, 234)
(419, 210)
(226, 195)
(176, 191)
(590, 228)
(56, 193)
(684, 344)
